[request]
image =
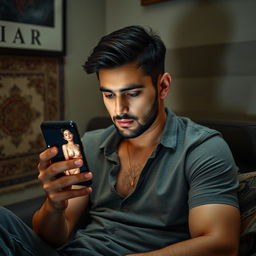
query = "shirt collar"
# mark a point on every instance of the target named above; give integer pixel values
(169, 135)
(110, 143)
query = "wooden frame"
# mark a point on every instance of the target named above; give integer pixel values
(32, 27)
(147, 2)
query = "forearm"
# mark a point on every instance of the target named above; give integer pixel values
(51, 224)
(203, 245)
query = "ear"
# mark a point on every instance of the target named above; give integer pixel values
(164, 85)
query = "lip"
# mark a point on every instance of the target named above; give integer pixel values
(124, 122)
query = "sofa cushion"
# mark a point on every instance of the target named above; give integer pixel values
(247, 201)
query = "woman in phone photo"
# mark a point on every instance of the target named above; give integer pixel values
(70, 150)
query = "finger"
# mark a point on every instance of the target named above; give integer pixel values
(57, 168)
(58, 198)
(66, 181)
(45, 157)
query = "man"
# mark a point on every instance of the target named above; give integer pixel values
(162, 185)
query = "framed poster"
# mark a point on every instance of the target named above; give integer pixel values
(147, 2)
(32, 27)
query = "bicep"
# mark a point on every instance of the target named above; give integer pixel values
(212, 174)
(221, 221)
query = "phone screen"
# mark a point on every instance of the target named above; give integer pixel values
(64, 135)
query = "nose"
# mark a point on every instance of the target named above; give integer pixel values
(121, 105)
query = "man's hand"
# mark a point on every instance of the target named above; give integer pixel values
(65, 203)
(59, 190)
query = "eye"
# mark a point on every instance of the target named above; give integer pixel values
(134, 94)
(109, 95)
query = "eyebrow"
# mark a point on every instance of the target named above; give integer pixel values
(130, 87)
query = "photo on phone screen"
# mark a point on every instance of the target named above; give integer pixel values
(64, 135)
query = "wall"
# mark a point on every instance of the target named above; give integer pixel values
(85, 25)
(211, 52)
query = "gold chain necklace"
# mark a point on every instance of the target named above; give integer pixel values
(132, 173)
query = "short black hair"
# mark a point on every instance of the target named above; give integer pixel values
(127, 45)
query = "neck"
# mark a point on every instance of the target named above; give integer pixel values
(150, 137)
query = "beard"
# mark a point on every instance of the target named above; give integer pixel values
(147, 121)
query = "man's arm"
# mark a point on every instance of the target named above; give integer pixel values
(64, 204)
(214, 229)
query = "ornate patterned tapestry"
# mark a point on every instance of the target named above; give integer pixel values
(30, 92)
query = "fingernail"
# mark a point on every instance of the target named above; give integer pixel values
(78, 162)
(87, 175)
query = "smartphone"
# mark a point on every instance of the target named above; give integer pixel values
(65, 136)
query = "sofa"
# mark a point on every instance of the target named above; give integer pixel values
(241, 138)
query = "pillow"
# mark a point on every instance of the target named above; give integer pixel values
(247, 202)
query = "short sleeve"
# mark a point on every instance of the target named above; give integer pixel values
(212, 173)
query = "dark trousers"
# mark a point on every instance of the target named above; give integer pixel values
(16, 238)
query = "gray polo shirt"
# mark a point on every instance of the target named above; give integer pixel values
(191, 166)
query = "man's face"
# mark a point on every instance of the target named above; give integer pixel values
(130, 98)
